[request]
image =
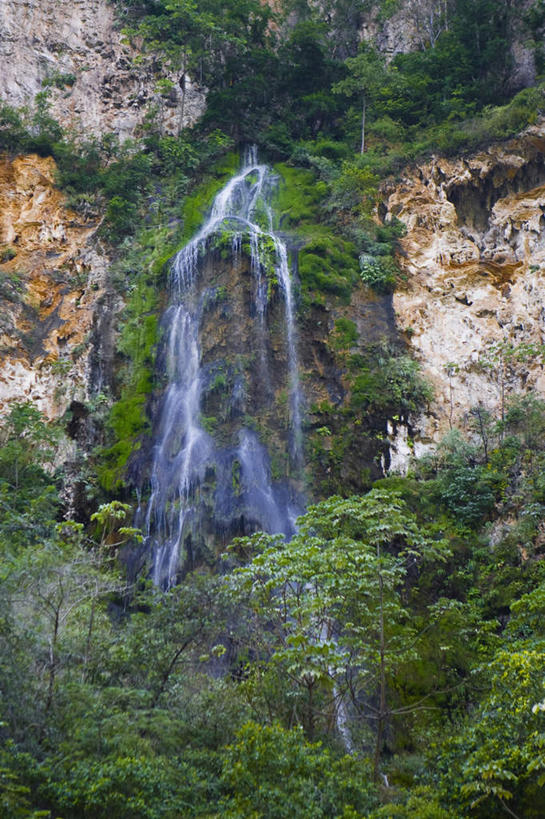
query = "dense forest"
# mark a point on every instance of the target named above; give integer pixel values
(388, 659)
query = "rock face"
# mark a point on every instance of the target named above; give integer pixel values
(412, 25)
(244, 410)
(97, 83)
(246, 472)
(52, 279)
(473, 305)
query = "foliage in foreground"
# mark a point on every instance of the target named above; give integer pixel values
(388, 628)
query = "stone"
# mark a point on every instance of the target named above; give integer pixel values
(52, 286)
(474, 261)
(108, 86)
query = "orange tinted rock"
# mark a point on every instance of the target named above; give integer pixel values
(53, 275)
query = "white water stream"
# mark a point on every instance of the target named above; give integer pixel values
(183, 450)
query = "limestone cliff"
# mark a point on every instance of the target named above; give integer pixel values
(471, 306)
(97, 82)
(52, 277)
(473, 303)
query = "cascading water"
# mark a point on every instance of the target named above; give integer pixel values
(195, 477)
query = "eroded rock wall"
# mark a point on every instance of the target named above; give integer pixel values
(53, 278)
(473, 305)
(98, 84)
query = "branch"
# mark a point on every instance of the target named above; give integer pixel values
(509, 811)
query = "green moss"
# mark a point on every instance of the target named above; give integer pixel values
(127, 421)
(345, 335)
(329, 264)
(200, 199)
(236, 477)
(298, 198)
(209, 423)
(161, 263)
(326, 262)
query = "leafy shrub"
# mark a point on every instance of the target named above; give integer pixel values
(467, 494)
(388, 382)
(345, 334)
(120, 217)
(14, 135)
(270, 771)
(380, 273)
(59, 80)
(7, 254)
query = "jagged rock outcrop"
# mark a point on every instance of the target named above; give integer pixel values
(52, 277)
(473, 304)
(98, 84)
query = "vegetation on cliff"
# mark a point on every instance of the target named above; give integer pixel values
(388, 661)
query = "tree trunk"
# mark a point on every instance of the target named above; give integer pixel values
(183, 82)
(52, 662)
(89, 634)
(364, 106)
(382, 684)
(166, 674)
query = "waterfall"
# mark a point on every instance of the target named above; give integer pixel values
(187, 461)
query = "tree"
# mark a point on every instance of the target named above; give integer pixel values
(27, 446)
(495, 762)
(333, 598)
(507, 363)
(366, 76)
(270, 771)
(28, 496)
(430, 19)
(56, 589)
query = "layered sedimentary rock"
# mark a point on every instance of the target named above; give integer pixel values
(473, 304)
